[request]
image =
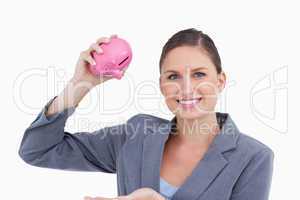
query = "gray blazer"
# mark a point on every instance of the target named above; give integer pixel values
(235, 167)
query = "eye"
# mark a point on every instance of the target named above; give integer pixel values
(171, 76)
(199, 74)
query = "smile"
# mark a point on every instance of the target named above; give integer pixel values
(188, 103)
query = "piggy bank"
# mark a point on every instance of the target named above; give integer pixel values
(116, 56)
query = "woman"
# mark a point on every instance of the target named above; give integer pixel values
(199, 154)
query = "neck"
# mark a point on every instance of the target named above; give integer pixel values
(199, 131)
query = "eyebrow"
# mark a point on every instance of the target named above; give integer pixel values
(198, 68)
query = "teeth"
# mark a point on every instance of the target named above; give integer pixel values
(192, 101)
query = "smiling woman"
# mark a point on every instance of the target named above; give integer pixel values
(191, 80)
(198, 154)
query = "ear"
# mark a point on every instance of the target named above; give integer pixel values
(221, 81)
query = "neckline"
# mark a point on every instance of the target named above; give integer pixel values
(167, 183)
(212, 163)
(222, 119)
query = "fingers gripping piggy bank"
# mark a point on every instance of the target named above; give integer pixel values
(116, 56)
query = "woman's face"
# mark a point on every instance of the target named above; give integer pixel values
(189, 82)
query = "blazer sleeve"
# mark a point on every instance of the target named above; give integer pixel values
(255, 180)
(46, 144)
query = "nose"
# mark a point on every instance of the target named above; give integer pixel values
(187, 86)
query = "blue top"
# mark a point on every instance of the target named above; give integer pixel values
(166, 189)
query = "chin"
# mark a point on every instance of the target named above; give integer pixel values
(190, 114)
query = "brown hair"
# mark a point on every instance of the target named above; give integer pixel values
(192, 37)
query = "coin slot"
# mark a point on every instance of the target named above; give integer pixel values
(124, 60)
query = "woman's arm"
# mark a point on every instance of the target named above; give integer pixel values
(46, 144)
(255, 181)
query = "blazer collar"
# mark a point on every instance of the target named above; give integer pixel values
(205, 171)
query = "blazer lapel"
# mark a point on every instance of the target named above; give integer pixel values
(212, 163)
(204, 173)
(153, 147)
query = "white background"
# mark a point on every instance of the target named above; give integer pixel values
(40, 42)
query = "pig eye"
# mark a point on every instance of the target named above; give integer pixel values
(123, 60)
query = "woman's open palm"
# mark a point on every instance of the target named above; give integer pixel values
(140, 194)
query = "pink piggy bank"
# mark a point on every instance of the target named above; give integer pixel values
(116, 56)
